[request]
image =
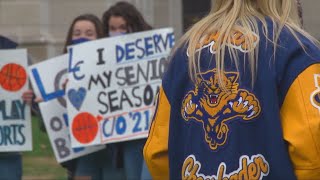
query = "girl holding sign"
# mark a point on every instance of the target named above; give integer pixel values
(240, 99)
(97, 165)
(10, 162)
(124, 18)
(15, 117)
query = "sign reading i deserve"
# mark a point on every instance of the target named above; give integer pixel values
(112, 86)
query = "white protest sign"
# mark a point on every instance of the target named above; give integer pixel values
(47, 78)
(56, 122)
(112, 86)
(15, 118)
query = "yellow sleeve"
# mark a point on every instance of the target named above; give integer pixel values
(156, 148)
(300, 116)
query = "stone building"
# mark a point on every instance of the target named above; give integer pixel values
(41, 25)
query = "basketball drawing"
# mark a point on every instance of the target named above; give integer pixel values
(85, 127)
(13, 77)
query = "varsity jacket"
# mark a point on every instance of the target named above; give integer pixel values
(268, 128)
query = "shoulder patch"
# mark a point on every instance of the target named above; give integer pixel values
(315, 96)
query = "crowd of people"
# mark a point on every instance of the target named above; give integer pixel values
(235, 102)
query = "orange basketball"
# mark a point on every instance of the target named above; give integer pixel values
(13, 77)
(85, 127)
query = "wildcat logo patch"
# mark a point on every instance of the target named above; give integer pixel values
(215, 108)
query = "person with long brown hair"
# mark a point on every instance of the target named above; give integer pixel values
(240, 98)
(124, 18)
(88, 27)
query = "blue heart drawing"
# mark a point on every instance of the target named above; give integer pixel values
(77, 97)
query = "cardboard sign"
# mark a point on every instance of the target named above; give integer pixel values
(15, 117)
(47, 78)
(112, 86)
(56, 121)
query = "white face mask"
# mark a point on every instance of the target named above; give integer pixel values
(113, 34)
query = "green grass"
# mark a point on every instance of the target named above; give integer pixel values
(41, 163)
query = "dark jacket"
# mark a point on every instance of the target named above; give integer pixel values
(269, 131)
(6, 43)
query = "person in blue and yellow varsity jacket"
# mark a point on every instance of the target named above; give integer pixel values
(240, 99)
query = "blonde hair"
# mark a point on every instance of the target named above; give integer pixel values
(243, 15)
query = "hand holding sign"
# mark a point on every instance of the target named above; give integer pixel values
(27, 96)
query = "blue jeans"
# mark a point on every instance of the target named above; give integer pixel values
(10, 166)
(145, 174)
(99, 165)
(133, 158)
